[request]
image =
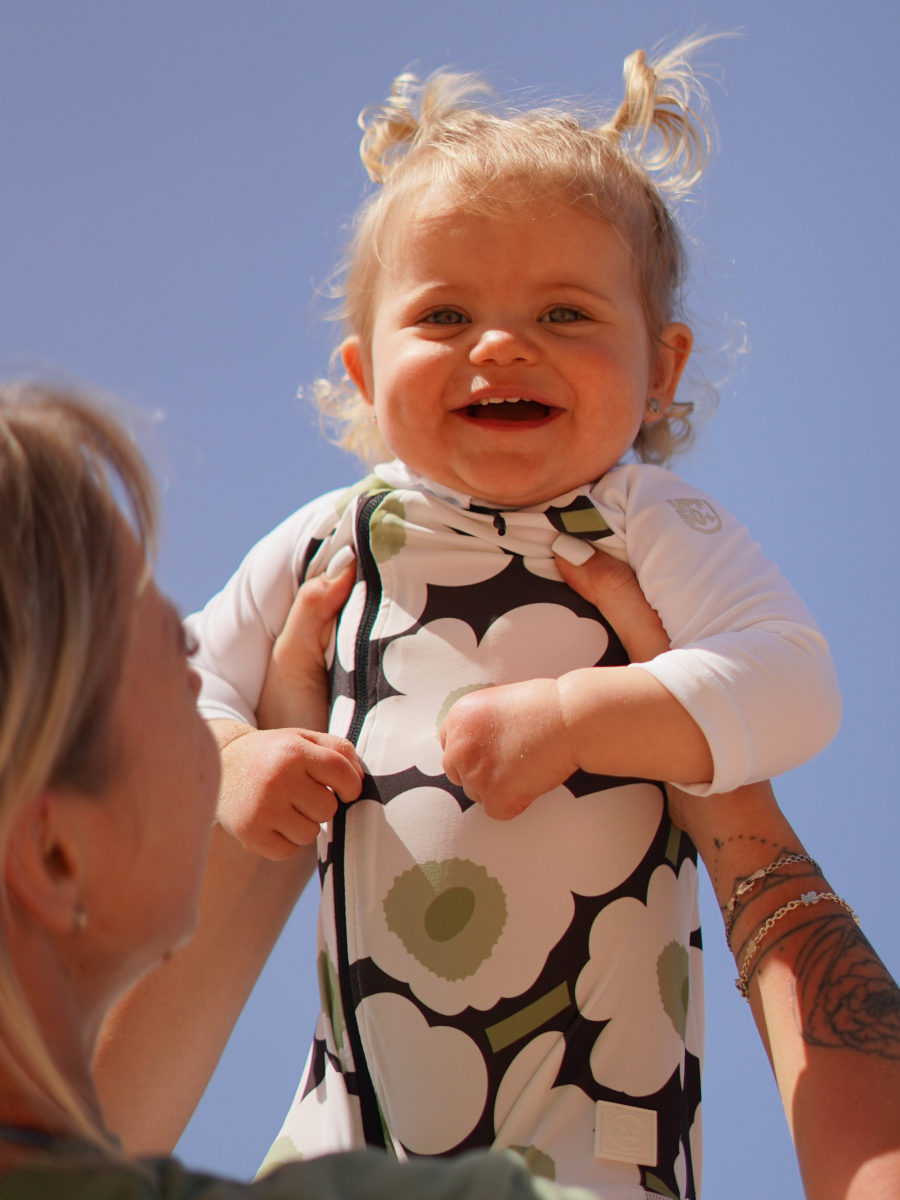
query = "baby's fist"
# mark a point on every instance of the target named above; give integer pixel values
(279, 785)
(507, 745)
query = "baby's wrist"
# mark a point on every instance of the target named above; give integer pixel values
(575, 691)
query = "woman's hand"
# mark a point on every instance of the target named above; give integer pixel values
(295, 692)
(612, 587)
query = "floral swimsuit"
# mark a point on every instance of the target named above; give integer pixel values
(534, 984)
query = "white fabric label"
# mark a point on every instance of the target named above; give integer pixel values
(625, 1133)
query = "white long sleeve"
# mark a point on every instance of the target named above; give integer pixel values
(748, 661)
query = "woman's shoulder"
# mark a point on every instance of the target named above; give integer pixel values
(74, 1171)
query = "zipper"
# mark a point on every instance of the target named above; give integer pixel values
(373, 1127)
(499, 521)
(370, 612)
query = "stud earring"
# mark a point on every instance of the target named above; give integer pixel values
(653, 405)
(79, 917)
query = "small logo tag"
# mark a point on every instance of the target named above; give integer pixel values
(697, 514)
(625, 1133)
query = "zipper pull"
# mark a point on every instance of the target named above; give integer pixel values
(500, 523)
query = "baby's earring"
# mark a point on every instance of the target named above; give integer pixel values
(654, 406)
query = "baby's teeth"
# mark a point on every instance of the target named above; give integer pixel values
(499, 400)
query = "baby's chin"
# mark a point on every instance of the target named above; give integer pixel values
(506, 486)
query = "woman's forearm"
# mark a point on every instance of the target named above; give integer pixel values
(826, 1008)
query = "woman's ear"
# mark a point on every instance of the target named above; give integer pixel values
(356, 366)
(43, 868)
(672, 352)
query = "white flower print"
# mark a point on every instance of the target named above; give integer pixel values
(474, 949)
(407, 524)
(556, 1123)
(324, 1121)
(639, 979)
(431, 1081)
(443, 660)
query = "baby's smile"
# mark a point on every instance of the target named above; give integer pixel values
(507, 408)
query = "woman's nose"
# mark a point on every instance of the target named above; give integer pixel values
(503, 346)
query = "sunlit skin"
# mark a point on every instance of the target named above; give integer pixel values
(534, 305)
(130, 855)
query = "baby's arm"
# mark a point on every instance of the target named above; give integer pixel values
(508, 745)
(282, 780)
(748, 666)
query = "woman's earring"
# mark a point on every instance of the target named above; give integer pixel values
(653, 405)
(79, 917)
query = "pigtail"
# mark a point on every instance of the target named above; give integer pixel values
(414, 109)
(388, 127)
(660, 116)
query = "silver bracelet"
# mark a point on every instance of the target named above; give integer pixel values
(742, 982)
(748, 883)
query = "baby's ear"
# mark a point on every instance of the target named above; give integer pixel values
(355, 365)
(672, 353)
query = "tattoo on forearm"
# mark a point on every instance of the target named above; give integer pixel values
(720, 845)
(845, 996)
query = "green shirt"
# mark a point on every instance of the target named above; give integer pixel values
(72, 1171)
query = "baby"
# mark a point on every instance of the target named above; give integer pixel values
(512, 333)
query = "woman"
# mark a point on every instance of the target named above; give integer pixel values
(108, 783)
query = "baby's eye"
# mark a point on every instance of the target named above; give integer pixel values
(562, 314)
(444, 316)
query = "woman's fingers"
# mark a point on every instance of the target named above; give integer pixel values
(612, 587)
(315, 606)
(295, 693)
(597, 579)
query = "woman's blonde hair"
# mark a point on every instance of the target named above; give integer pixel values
(69, 476)
(439, 137)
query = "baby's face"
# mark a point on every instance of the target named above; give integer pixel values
(510, 358)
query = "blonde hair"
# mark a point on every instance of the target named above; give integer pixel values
(65, 465)
(438, 136)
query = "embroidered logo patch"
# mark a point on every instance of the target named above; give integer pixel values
(697, 514)
(625, 1133)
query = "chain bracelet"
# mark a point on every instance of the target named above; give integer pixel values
(751, 880)
(742, 982)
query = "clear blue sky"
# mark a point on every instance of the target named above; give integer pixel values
(176, 179)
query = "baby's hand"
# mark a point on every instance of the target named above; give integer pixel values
(295, 693)
(279, 785)
(508, 745)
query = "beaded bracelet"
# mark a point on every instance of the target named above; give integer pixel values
(742, 982)
(747, 885)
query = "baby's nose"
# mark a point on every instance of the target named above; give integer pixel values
(502, 345)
